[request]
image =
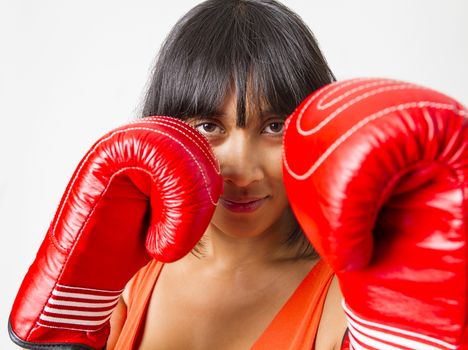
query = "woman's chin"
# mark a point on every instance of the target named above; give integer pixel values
(240, 230)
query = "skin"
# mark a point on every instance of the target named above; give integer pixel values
(242, 252)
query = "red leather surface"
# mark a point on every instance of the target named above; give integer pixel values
(145, 190)
(377, 172)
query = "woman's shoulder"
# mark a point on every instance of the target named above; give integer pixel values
(147, 275)
(333, 322)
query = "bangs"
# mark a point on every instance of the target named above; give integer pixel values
(259, 50)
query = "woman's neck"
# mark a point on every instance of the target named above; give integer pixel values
(227, 252)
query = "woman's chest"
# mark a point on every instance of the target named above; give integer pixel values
(206, 313)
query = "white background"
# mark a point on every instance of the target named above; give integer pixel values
(72, 70)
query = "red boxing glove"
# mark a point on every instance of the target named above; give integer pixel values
(377, 174)
(145, 190)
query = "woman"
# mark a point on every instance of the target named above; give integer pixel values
(235, 69)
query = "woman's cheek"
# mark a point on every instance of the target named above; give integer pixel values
(273, 164)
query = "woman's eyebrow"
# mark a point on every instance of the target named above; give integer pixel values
(272, 114)
(264, 115)
(205, 116)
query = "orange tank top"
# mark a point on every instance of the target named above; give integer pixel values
(293, 328)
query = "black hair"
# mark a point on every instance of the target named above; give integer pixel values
(258, 49)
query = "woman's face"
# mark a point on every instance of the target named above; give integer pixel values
(254, 199)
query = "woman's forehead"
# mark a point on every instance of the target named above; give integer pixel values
(256, 108)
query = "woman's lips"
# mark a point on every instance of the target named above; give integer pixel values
(242, 205)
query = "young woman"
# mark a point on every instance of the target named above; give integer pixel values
(235, 69)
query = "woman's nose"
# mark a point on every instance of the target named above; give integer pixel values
(240, 161)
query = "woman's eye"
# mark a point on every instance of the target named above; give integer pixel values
(208, 128)
(275, 128)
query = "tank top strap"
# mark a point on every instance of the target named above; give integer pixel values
(140, 291)
(296, 324)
